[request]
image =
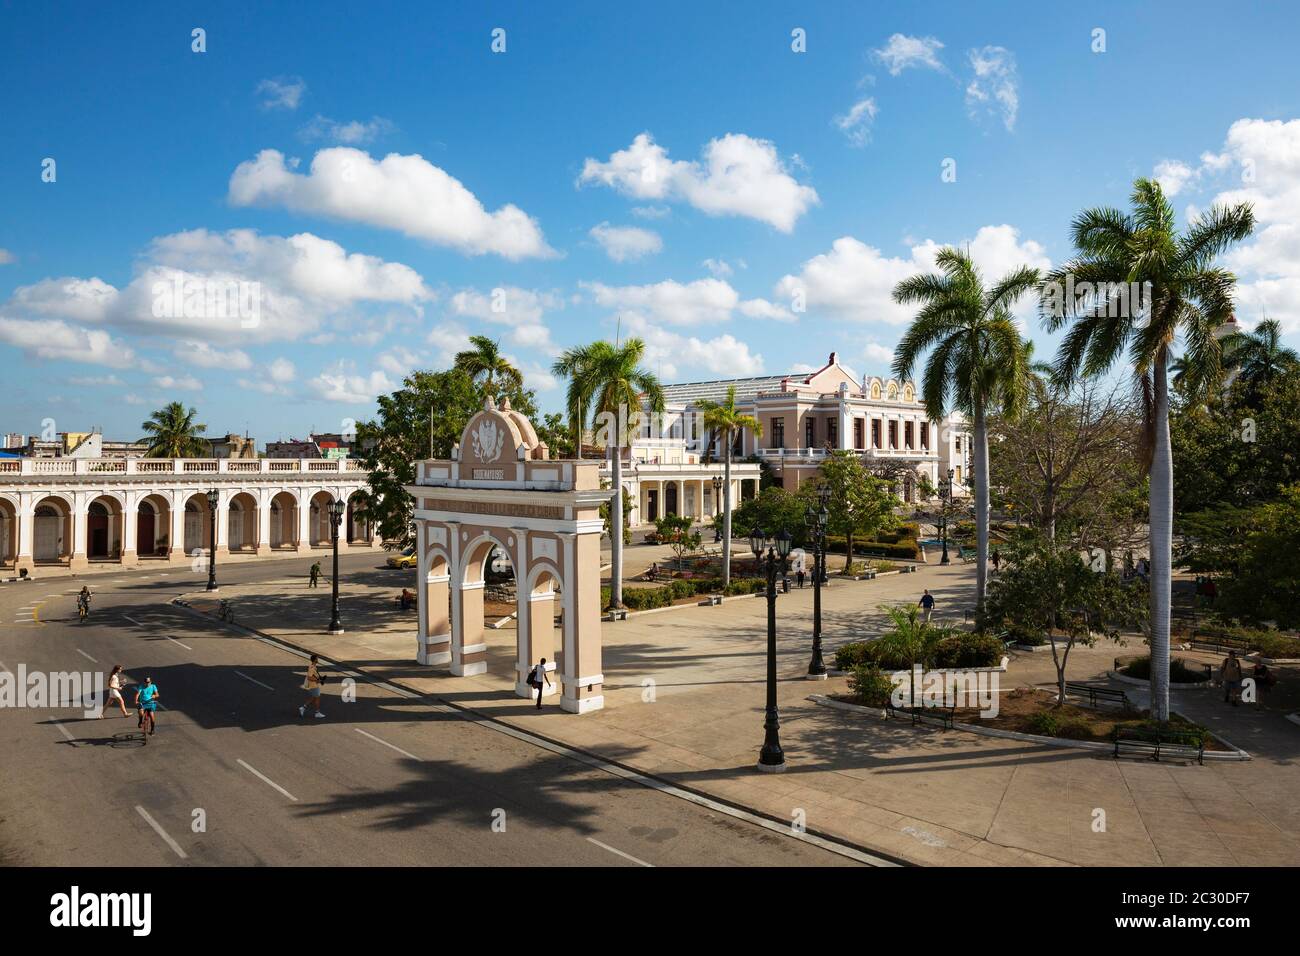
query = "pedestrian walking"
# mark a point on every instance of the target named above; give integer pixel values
(312, 685)
(926, 605)
(538, 680)
(997, 560)
(314, 575)
(114, 691)
(799, 577)
(1231, 679)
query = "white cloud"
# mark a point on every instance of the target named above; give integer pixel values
(339, 383)
(184, 382)
(700, 302)
(404, 193)
(720, 268)
(54, 339)
(737, 176)
(856, 123)
(272, 379)
(878, 355)
(1174, 175)
(994, 86)
(651, 212)
(626, 243)
(6, 257)
(96, 381)
(855, 281)
(205, 356)
(133, 399)
(352, 133)
(281, 92)
(670, 354)
(903, 51)
(521, 310)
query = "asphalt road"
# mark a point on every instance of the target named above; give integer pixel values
(384, 780)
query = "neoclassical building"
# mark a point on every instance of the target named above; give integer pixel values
(70, 512)
(806, 416)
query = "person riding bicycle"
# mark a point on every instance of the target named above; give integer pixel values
(146, 698)
(83, 601)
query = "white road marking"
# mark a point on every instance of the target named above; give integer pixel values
(254, 680)
(132, 620)
(161, 832)
(87, 656)
(64, 730)
(626, 856)
(386, 744)
(174, 641)
(267, 780)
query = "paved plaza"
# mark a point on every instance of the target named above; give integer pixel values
(683, 702)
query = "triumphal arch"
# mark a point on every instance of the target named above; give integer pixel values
(500, 491)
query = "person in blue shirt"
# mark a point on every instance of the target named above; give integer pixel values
(927, 606)
(146, 698)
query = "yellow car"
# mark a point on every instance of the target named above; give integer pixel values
(407, 559)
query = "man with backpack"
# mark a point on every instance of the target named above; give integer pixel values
(538, 680)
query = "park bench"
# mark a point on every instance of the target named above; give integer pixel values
(944, 715)
(1096, 693)
(1156, 745)
(1220, 645)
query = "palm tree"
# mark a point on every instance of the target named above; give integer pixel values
(977, 360)
(1187, 295)
(173, 433)
(1258, 356)
(614, 384)
(723, 418)
(484, 362)
(570, 365)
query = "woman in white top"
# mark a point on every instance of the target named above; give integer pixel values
(114, 691)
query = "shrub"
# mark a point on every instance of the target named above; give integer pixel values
(1268, 642)
(1045, 723)
(1074, 728)
(745, 586)
(849, 656)
(882, 566)
(968, 649)
(870, 686)
(1179, 671)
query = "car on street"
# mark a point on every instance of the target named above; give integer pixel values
(407, 559)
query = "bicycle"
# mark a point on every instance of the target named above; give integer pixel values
(83, 611)
(226, 611)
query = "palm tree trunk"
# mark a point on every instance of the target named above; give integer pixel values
(1161, 538)
(726, 510)
(981, 464)
(616, 533)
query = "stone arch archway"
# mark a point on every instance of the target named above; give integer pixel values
(501, 490)
(197, 527)
(8, 532)
(52, 530)
(241, 523)
(282, 534)
(153, 521)
(318, 521)
(105, 528)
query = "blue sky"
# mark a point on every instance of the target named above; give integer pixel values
(387, 184)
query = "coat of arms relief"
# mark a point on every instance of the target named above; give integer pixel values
(487, 440)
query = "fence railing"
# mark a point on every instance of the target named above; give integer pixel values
(174, 466)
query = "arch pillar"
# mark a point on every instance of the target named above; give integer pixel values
(79, 560)
(129, 528)
(303, 505)
(583, 681)
(264, 521)
(433, 597)
(176, 539)
(26, 532)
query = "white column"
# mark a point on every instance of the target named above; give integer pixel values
(223, 520)
(130, 525)
(264, 521)
(26, 528)
(79, 528)
(176, 539)
(304, 521)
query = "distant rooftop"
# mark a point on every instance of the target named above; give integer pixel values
(715, 391)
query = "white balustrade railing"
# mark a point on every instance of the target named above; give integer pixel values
(174, 466)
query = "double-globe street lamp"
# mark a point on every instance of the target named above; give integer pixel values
(772, 555)
(213, 497)
(945, 501)
(336, 509)
(815, 520)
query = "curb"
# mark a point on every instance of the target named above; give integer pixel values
(1236, 754)
(592, 755)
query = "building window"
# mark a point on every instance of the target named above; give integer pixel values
(810, 432)
(738, 443)
(778, 433)
(875, 433)
(907, 434)
(925, 435)
(832, 433)
(893, 434)
(858, 434)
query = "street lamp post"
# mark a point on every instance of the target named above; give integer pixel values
(213, 497)
(945, 499)
(771, 758)
(717, 493)
(816, 520)
(336, 509)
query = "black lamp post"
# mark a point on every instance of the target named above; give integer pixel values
(816, 521)
(771, 759)
(717, 511)
(945, 499)
(213, 497)
(336, 509)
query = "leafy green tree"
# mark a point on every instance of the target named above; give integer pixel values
(910, 638)
(1047, 589)
(1188, 296)
(726, 420)
(1258, 356)
(1266, 586)
(977, 361)
(423, 419)
(555, 433)
(860, 504)
(677, 531)
(172, 432)
(485, 364)
(771, 510)
(605, 509)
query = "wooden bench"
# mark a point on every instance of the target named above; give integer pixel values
(1097, 692)
(1157, 745)
(944, 715)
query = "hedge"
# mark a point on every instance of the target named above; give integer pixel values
(644, 599)
(1268, 642)
(968, 649)
(902, 548)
